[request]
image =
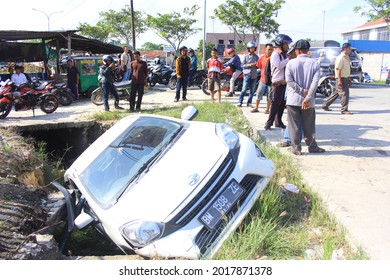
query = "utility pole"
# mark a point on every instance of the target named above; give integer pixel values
(204, 37)
(323, 25)
(132, 24)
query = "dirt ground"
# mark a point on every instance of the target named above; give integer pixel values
(22, 196)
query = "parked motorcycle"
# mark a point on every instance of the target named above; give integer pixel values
(159, 74)
(197, 79)
(226, 75)
(327, 83)
(63, 93)
(123, 88)
(24, 98)
(366, 78)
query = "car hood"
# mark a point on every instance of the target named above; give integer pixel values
(175, 178)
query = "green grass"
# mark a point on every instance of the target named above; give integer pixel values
(281, 225)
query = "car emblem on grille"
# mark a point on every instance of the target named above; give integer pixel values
(193, 179)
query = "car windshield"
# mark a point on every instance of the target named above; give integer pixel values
(108, 176)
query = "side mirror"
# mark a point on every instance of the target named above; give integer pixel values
(83, 220)
(189, 113)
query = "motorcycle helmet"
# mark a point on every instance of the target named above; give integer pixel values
(156, 60)
(191, 51)
(107, 58)
(231, 50)
(183, 48)
(281, 39)
(251, 44)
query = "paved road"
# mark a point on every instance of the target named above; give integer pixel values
(352, 177)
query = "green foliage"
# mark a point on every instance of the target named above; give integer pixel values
(250, 15)
(149, 46)
(209, 47)
(378, 9)
(175, 27)
(115, 25)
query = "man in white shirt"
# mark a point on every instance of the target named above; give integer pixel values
(125, 63)
(18, 77)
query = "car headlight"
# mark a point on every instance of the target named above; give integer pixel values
(228, 136)
(141, 233)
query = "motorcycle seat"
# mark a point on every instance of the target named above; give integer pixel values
(122, 83)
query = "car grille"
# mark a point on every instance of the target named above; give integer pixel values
(206, 194)
(206, 237)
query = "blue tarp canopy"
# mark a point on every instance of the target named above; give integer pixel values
(371, 46)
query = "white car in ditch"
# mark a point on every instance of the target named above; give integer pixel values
(166, 187)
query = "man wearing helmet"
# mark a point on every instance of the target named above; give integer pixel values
(235, 65)
(183, 64)
(194, 65)
(106, 78)
(250, 74)
(279, 61)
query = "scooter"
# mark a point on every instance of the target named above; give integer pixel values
(366, 78)
(159, 74)
(197, 79)
(123, 88)
(326, 84)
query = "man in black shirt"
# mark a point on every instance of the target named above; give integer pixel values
(73, 76)
(183, 64)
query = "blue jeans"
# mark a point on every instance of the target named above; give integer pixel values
(107, 89)
(126, 75)
(251, 83)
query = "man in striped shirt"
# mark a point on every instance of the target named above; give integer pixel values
(214, 66)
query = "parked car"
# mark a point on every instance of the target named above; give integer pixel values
(388, 78)
(330, 57)
(167, 187)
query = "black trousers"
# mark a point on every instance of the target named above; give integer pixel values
(277, 106)
(134, 89)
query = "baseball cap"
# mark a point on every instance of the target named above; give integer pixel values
(302, 44)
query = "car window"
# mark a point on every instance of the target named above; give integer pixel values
(113, 170)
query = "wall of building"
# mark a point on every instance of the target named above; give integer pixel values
(373, 63)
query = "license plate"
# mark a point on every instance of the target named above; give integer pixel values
(221, 205)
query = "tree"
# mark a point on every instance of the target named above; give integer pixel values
(115, 25)
(250, 16)
(209, 47)
(379, 9)
(175, 27)
(149, 46)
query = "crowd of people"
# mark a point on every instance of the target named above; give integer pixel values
(288, 80)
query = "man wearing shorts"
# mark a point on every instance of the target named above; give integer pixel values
(214, 66)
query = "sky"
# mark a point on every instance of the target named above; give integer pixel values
(315, 19)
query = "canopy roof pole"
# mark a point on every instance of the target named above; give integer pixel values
(69, 45)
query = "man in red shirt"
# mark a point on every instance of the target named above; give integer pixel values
(262, 88)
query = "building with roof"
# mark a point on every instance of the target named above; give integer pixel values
(372, 40)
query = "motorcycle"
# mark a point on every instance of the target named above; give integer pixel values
(226, 75)
(326, 84)
(196, 80)
(24, 98)
(159, 74)
(123, 88)
(64, 95)
(366, 78)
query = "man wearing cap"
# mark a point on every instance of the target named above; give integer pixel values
(302, 75)
(343, 71)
